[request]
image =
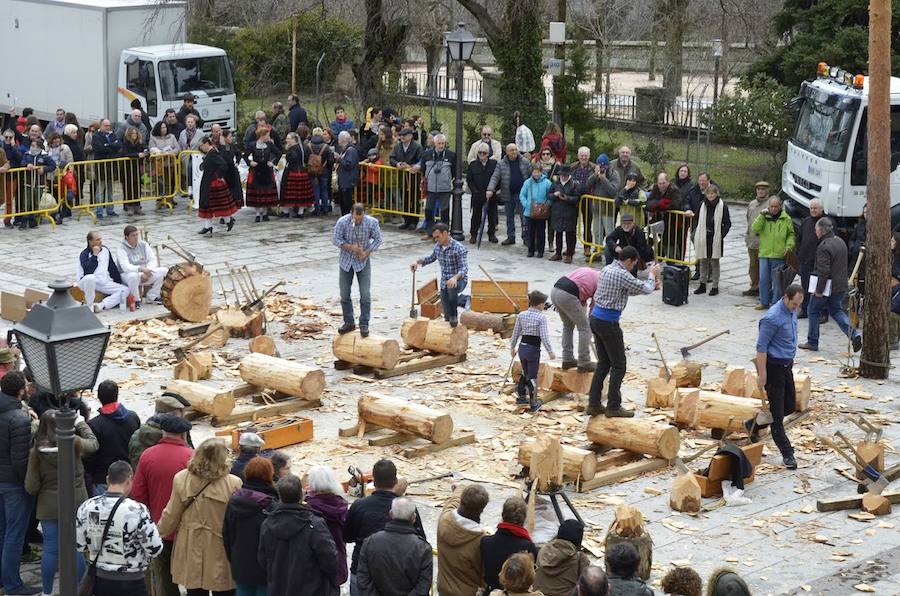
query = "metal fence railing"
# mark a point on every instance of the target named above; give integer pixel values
(386, 189)
(28, 196)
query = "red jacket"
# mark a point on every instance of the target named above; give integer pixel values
(155, 471)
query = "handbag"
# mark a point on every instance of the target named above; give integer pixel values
(539, 210)
(47, 202)
(86, 586)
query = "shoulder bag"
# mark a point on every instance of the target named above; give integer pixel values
(539, 211)
(86, 586)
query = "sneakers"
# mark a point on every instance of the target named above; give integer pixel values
(508, 242)
(346, 328)
(521, 401)
(701, 289)
(567, 364)
(619, 412)
(714, 292)
(752, 430)
(587, 367)
(364, 331)
(761, 307)
(595, 410)
(857, 343)
(790, 462)
(536, 405)
(809, 346)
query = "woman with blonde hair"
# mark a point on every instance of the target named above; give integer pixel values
(196, 511)
(516, 576)
(325, 495)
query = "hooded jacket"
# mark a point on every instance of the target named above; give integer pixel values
(42, 478)
(534, 191)
(459, 550)
(333, 509)
(559, 564)
(15, 439)
(244, 516)
(776, 234)
(113, 432)
(395, 562)
(298, 553)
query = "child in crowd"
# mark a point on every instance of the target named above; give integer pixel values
(531, 328)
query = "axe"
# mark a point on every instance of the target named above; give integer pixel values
(685, 351)
(876, 483)
(661, 357)
(248, 308)
(181, 351)
(499, 287)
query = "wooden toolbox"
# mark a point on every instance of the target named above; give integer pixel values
(275, 436)
(429, 300)
(14, 307)
(720, 469)
(487, 298)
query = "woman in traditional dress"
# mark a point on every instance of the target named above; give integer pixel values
(262, 156)
(296, 189)
(216, 198)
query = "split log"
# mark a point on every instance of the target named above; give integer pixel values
(733, 383)
(286, 376)
(570, 380)
(413, 331)
(544, 376)
(483, 321)
(262, 344)
(197, 366)
(635, 434)
(709, 409)
(240, 324)
(803, 388)
(406, 417)
(203, 397)
(751, 389)
(546, 469)
(686, 373)
(217, 340)
(685, 495)
(661, 393)
(440, 337)
(876, 504)
(577, 463)
(375, 351)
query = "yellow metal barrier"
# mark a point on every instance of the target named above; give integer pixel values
(99, 185)
(21, 190)
(186, 174)
(674, 244)
(596, 220)
(386, 189)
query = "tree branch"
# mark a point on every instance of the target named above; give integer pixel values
(488, 24)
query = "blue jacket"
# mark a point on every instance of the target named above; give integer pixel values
(348, 168)
(297, 115)
(538, 191)
(106, 145)
(89, 265)
(41, 159)
(13, 155)
(337, 127)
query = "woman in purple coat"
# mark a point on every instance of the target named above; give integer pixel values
(324, 495)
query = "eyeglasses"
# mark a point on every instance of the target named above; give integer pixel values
(482, 153)
(485, 134)
(545, 153)
(7, 138)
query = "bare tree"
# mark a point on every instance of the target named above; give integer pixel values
(384, 39)
(429, 23)
(605, 21)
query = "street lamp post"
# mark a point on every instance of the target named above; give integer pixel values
(717, 49)
(460, 44)
(63, 343)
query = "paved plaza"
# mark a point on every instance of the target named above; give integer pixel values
(779, 543)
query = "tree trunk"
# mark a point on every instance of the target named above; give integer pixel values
(875, 359)
(382, 46)
(483, 321)
(374, 351)
(709, 409)
(733, 383)
(439, 337)
(661, 393)
(635, 434)
(686, 373)
(676, 24)
(286, 376)
(263, 344)
(402, 416)
(203, 398)
(559, 52)
(598, 67)
(577, 463)
(413, 331)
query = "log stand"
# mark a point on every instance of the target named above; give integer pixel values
(616, 465)
(254, 404)
(415, 446)
(554, 493)
(408, 362)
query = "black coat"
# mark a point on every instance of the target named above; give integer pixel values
(15, 440)
(564, 209)
(298, 553)
(619, 237)
(214, 166)
(244, 517)
(263, 175)
(807, 241)
(478, 176)
(113, 431)
(367, 516)
(496, 549)
(395, 562)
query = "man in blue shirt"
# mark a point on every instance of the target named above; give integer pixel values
(453, 258)
(776, 346)
(357, 235)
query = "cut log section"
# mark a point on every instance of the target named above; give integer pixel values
(733, 383)
(439, 337)
(635, 434)
(484, 321)
(413, 331)
(196, 367)
(803, 388)
(570, 380)
(546, 467)
(240, 324)
(709, 409)
(876, 504)
(686, 373)
(661, 393)
(578, 464)
(375, 351)
(685, 495)
(187, 292)
(217, 340)
(403, 416)
(751, 389)
(262, 344)
(291, 378)
(544, 376)
(203, 397)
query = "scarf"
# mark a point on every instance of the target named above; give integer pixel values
(109, 408)
(515, 530)
(700, 233)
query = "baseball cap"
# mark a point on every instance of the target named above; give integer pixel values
(603, 159)
(251, 440)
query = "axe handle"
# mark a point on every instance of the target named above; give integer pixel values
(262, 296)
(499, 287)
(859, 259)
(661, 357)
(704, 340)
(213, 327)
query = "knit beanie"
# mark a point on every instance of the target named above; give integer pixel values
(571, 530)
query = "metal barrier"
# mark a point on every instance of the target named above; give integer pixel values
(99, 185)
(675, 243)
(21, 190)
(186, 175)
(596, 220)
(386, 189)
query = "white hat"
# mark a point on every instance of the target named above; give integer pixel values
(251, 440)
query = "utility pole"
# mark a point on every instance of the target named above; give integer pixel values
(559, 52)
(874, 363)
(294, 54)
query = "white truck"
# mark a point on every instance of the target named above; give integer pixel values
(94, 57)
(826, 156)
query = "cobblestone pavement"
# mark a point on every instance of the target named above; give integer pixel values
(779, 542)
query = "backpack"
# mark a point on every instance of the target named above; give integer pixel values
(315, 164)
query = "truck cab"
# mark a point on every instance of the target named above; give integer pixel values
(827, 152)
(159, 76)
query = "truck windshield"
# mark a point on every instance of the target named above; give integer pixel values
(823, 130)
(211, 75)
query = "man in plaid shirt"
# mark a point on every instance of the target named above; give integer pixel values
(453, 258)
(615, 285)
(357, 235)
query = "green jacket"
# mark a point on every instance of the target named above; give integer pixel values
(42, 480)
(775, 235)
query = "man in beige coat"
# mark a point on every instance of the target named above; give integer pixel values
(756, 206)
(459, 534)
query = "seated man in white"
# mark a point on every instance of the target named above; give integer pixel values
(139, 266)
(97, 272)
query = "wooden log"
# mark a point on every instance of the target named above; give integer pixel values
(751, 389)
(570, 380)
(686, 407)
(544, 376)
(483, 321)
(197, 366)
(685, 495)
(733, 383)
(187, 292)
(711, 409)
(203, 397)
(851, 502)
(403, 416)
(546, 467)
(803, 388)
(661, 393)
(217, 340)
(240, 324)
(635, 434)
(413, 331)
(262, 344)
(440, 337)
(286, 376)
(876, 504)
(686, 373)
(578, 464)
(628, 522)
(375, 351)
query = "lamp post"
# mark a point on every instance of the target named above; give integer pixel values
(460, 44)
(63, 343)
(717, 49)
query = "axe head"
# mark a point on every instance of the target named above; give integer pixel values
(179, 354)
(685, 353)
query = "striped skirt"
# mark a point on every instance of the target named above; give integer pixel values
(261, 196)
(221, 201)
(296, 189)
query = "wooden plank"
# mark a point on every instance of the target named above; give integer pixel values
(192, 329)
(424, 363)
(244, 389)
(852, 502)
(291, 405)
(464, 439)
(352, 431)
(391, 439)
(618, 457)
(623, 472)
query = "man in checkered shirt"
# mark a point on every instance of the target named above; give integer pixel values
(615, 285)
(357, 235)
(453, 258)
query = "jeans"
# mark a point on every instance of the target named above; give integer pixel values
(364, 276)
(610, 361)
(530, 357)
(354, 585)
(50, 556)
(14, 513)
(451, 299)
(105, 192)
(769, 290)
(437, 204)
(833, 305)
(248, 590)
(512, 205)
(321, 190)
(806, 269)
(535, 232)
(573, 316)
